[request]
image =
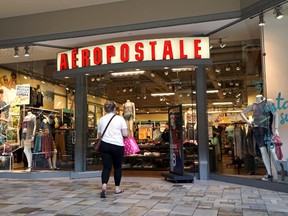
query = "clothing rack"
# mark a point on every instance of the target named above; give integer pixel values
(236, 160)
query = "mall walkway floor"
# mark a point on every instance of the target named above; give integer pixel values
(142, 196)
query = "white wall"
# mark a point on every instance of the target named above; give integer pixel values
(276, 61)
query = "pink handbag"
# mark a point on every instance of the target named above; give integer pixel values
(130, 146)
(278, 143)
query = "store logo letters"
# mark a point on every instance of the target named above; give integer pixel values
(279, 106)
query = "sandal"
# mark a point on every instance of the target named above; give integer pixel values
(121, 191)
(103, 194)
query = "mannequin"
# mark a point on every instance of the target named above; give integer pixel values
(129, 115)
(262, 128)
(28, 134)
(39, 97)
(48, 144)
(190, 124)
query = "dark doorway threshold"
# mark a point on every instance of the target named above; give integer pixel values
(258, 183)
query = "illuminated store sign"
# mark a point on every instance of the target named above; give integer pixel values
(135, 51)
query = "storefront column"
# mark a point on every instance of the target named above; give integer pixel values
(202, 126)
(81, 123)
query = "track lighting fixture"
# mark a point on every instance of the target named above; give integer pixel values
(238, 68)
(278, 13)
(26, 48)
(16, 52)
(218, 70)
(228, 68)
(261, 20)
(221, 44)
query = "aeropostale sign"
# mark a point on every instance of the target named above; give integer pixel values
(135, 51)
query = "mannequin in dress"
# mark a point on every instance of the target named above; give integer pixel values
(129, 115)
(28, 134)
(263, 115)
(48, 143)
(190, 124)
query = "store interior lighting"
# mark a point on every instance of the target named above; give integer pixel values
(278, 13)
(221, 44)
(16, 52)
(238, 68)
(222, 103)
(26, 48)
(162, 94)
(128, 73)
(209, 91)
(218, 70)
(228, 68)
(261, 20)
(190, 104)
(181, 69)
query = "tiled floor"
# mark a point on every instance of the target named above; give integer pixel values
(142, 196)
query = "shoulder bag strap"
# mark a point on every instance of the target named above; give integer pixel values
(107, 126)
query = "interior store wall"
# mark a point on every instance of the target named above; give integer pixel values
(152, 117)
(276, 46)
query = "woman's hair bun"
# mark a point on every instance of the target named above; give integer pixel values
(109, 106)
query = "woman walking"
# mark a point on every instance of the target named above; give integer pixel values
(112, 146)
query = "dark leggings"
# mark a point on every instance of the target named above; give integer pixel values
(111, 155)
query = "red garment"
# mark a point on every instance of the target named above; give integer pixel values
(278, 143)
(47, 142)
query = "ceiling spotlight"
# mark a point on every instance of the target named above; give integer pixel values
(152, 75)
(98, 78)
(228, 68)
(67, 88)
(124, 89)
(224, 93)
(221, 44)
(217, 70)
(26, 48)
(237, 84)
(92, 79)
(219, 84)
(144, 97)
(180, 95)
(130, 89)
(16, 52)
(238, 68)
(166, 72)
(138, 97)
(278, 13)
(261, 20)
